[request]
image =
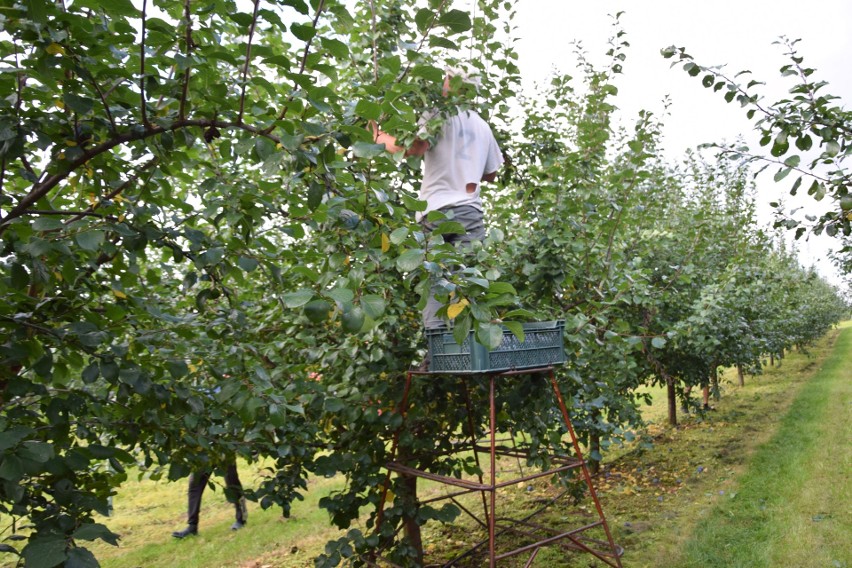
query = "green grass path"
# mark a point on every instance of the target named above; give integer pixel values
(792, 506)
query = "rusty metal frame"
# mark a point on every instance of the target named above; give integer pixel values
(606, 551)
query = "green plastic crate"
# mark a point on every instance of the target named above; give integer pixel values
(542, 347)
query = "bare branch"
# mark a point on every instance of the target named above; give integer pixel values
(375, 50)
(248, 60)
(142, 64)
(188, 17)
(320, 8)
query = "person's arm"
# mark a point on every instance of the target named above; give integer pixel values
(489, 177)
(417, 148)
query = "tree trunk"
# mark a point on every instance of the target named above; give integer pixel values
(670, 389)
(741, 375)
(408, 499)
(771, 359)
(594, 448)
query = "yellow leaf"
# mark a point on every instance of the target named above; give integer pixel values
(455, 309)
(71, 143)
(385, 243)
(57, 275)
(92, 200)
(90, 173)
(119, 294)
(55, 49)
(346, 260)
(60, 104)
(121, 218)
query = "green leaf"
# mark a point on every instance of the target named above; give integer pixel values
(247, 264)
(410, 260)
(449, 228)
(413, 204)
(47, 224)
(80, 105)
(367, 150)
(461, 329)
(781, 174)
(490, 335)
(373, 305)
(90, 240)
(399, 235)
(44, 552)
(120, 8)
(298, 299)
(303, 32)
(81, 558)
(456, 21)
(516, 328)
(658, 342)
(94, 531)
(368, 109)
(335, 47)
(792, 161)
(35, 451)
(13, 437)
(341, 295)
(423, 19)
(501, 288)
(11, 468)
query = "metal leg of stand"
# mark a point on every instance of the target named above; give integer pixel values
(587, 476)
(492, 519)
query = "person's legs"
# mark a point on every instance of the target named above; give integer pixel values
(197, 483)
(233, 486)
(471, 219)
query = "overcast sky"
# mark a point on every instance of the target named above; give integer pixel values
(739, 34)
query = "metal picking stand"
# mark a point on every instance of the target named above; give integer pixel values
(571, 539)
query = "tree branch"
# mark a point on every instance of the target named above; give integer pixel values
(422, 40)
(41, 189)
(375, 50)
(247, 61)
(283, 112)
(132, 179)
(78, 214)
(188, 17)
(142, 64)
(308, 43)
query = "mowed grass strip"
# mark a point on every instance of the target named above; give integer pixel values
(792, 506)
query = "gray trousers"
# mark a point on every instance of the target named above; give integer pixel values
(471, 219)
(197, 484)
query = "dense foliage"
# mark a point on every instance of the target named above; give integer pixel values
(205, 255)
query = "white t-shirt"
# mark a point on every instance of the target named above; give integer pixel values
(464, 151)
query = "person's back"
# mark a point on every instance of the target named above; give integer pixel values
(454, 165)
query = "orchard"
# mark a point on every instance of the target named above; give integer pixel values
(204, 253)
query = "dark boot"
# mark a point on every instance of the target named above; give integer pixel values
(190, 530)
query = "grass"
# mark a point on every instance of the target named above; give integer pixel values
(761, 481)
(791, 507)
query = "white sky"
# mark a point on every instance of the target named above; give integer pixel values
(739, 34)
